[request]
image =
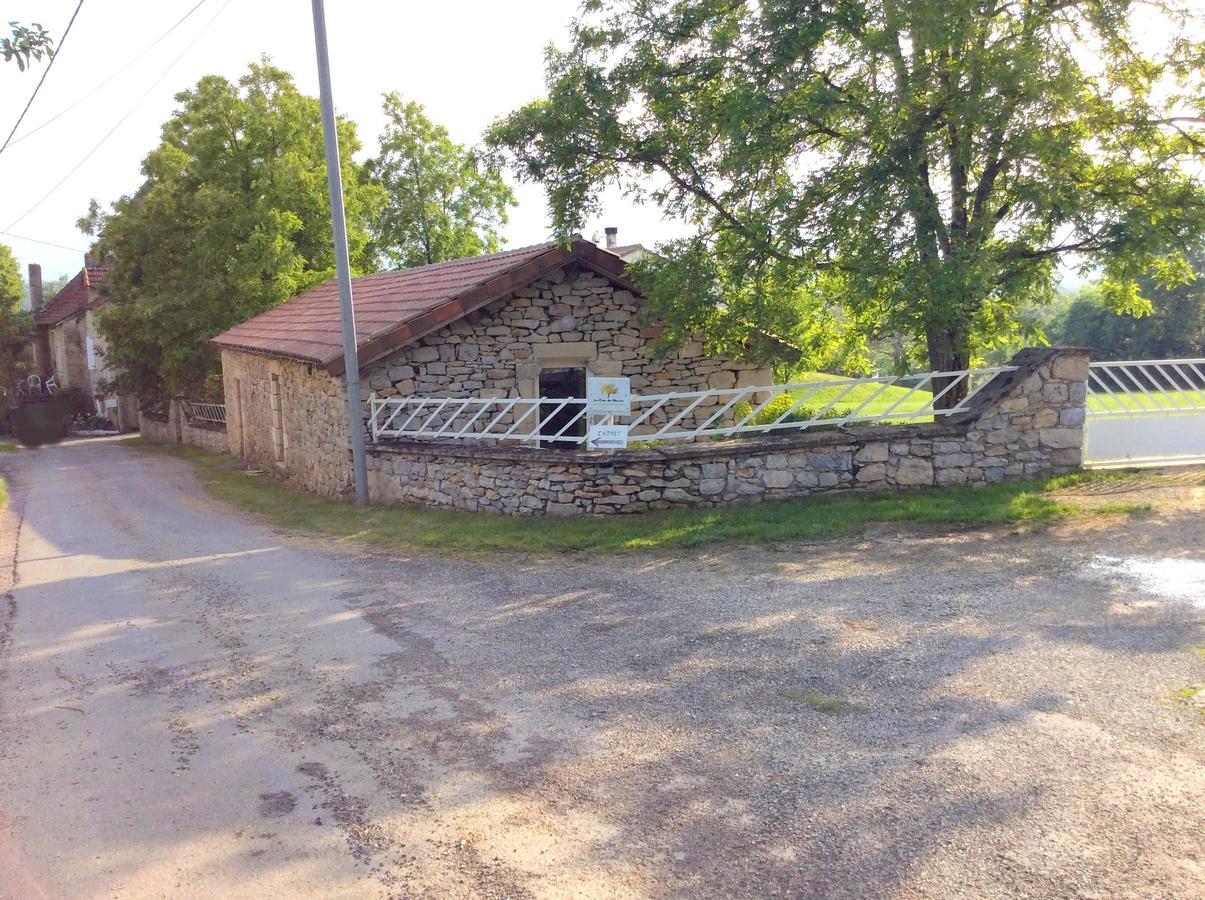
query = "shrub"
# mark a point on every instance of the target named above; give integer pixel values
(780, 404)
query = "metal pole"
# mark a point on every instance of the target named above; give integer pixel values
(334, 181)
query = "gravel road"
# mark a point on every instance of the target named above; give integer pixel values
(194, 704)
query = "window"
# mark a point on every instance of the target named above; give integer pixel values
(556, 383)
(91, 352)
(278, 420)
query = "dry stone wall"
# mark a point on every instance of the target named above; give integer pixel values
(1026, 424)
(156, 428)
(206, 435)
(174, 428)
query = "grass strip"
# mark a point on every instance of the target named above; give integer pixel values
(457, 532)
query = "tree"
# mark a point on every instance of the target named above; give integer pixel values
(231, 219)
(51, 287)
(877, 166)
(26, 43)
(1174, 329)
(442, 202)
(16, 326)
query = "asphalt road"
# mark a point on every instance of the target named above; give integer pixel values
(193, 704)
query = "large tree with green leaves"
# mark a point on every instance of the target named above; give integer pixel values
(869, 167)
(16, 326)
(231, 219)
(1174, 328)
(443, 203)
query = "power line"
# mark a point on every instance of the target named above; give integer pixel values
(108, 134)
(22, 237)
(180, 21)
(45, 72)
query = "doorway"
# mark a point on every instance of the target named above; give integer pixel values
(557, 384)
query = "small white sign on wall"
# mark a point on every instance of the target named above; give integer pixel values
(607, 437)
(609, 396)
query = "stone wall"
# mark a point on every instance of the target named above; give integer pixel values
(575, 319)
(156, 428)
(206, 435)
(306, 443)
(174, 428)
(1025, 424)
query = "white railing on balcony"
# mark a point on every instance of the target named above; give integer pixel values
(204, 412)
(683, 416)
(1146, 387)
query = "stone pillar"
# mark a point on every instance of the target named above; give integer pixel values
(1032, 420)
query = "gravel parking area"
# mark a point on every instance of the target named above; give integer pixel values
(195, 704)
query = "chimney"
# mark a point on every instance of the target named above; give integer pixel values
(612, 234)
(90, 261)
(36, 298)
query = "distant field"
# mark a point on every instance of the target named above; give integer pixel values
(1134, 400)
(1148, 400)
(886, 397)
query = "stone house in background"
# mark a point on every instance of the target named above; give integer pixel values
(68, 346)
(532, 322)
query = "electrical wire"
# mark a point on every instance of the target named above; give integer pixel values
(108, 134)
(180, 21)
(22, 237)
(42, 80)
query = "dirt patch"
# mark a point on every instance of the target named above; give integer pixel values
(276, 804)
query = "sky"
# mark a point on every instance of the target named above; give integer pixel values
(466, 61)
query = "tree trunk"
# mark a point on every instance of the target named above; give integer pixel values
(948, 352)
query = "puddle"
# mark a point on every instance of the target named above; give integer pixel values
(1172, 579)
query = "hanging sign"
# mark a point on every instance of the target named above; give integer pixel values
(609, 396)
(607, 437)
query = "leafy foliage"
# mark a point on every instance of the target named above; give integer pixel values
(25, 44)
(16, 326)
(1175, 327)
(52, 286)
(12, 288)
(861, 168)
(442, 202)
(232, 219)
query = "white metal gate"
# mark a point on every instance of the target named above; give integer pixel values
(1146, 412)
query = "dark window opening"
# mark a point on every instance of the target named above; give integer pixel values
(555, 384)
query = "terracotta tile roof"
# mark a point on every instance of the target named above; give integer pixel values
(394, 308)
(80, 293)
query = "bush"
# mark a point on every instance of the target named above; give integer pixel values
(780, 404)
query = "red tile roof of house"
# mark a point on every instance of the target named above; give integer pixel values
(395, 308)
(80, 293)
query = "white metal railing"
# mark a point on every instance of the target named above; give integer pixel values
(1145, 387)
(204, 412)
(682, 416)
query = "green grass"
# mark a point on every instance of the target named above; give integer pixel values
(456, 532)
(823, 702)
(10, 447)
(886, 397)
(3, 493)
(920, 399)
(1145, 401)
(1074, 479)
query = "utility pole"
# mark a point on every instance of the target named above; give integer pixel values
(334, 182)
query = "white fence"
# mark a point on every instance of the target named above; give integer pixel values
(204, 412)
(682, 416)
(1146, 411)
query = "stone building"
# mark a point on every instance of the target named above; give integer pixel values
(69, 347)
(532, 322)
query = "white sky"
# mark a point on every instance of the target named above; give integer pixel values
(466, 61)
